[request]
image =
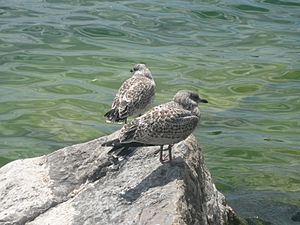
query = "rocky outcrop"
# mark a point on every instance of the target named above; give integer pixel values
(80, 185)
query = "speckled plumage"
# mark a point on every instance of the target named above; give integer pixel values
(165, 124)
(134, 95)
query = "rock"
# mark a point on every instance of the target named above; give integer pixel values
(296, 217)
(79, 185)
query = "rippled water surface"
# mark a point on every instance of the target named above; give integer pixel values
(61, 63)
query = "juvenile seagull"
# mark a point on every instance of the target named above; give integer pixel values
(134, 96)
(165, 124)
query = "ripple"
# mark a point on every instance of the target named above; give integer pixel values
(92, 35)
(243, 153)
(19, 38)
(26, 69)
(279, 107)
(250, 8)
(100, 32)
(4, 11)
(278, 128)
(67, 89)
(23, 57)
(217, 132)
(273, 140)
(238, 122)
(279, 2)
(202, 14)
(289, 75)
(12, 129)
(17, 79)
(80, 18)
(244, 88)
(45, 30)
(34, 28)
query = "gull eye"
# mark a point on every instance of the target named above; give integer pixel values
(134, 69)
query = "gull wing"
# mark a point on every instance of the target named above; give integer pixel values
(135, 94)
(160, 126)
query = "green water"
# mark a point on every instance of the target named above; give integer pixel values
(61, 63)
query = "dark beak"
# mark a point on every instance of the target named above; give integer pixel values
(131, 70)
(203, 100)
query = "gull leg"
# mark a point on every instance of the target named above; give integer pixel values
(170, 152)
(161, 154)
(125, 120)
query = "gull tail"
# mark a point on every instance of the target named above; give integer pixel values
(119, 149)
(112, 142)
(122, 149)
(114, 115)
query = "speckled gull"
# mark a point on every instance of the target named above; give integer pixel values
(165, 124)
(134, 95)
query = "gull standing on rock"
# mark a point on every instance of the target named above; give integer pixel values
(134, 96)
(165, 124)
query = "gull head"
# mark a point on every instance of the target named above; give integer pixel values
(141, 70)
(188, 99)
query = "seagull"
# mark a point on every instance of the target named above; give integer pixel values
(165, 124)
(134, 95)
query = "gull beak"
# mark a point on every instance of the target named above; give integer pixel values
(203, 100)
(131, 70)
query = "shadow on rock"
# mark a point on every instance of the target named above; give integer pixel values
(163, 175)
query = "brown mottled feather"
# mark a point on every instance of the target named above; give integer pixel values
(134, 95)
(166, 124)
(160, 126)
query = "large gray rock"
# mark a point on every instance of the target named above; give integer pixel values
(80, 185)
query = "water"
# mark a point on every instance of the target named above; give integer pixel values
(61, 63)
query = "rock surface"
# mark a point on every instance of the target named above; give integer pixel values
(79, 185)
